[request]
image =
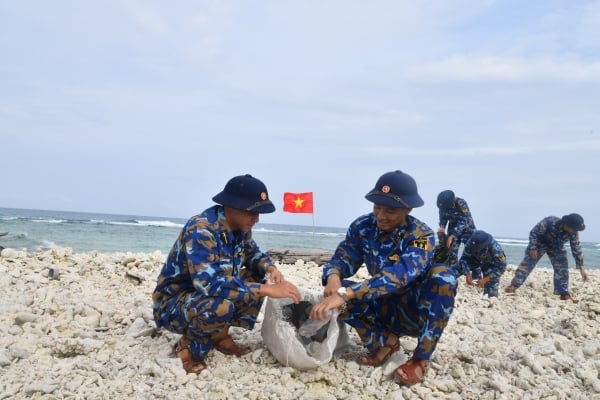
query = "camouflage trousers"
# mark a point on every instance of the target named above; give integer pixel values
(421, 310)
(560, 265)
(202, 318)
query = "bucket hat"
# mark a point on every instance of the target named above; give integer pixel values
(245, 192)
(395, 189)
(480, 240)
(574, 221)
(446, 199)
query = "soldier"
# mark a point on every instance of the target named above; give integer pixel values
(406, 294)
(214, 275)
(484, 255)
(549, 236)
(454, 212)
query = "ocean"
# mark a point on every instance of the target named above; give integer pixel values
(84, 232)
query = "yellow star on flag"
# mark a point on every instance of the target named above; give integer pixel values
(298, 202)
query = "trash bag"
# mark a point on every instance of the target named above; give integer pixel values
(280, 332)
(299, 316)
(441, 251)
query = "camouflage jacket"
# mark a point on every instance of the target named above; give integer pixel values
(207, 257)
(548, 235)
(459, 219)
(394, 260)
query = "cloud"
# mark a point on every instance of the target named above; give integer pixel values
(513, 148)
(465, 68)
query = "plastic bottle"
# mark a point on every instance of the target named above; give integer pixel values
(314, 349)
(311, 326)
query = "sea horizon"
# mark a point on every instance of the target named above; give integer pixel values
(34, 229)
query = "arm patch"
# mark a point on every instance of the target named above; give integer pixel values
(421, 243)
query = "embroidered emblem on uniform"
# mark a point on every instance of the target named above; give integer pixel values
(394, 257)
(502, 258)
(421, 243)
(263, 195)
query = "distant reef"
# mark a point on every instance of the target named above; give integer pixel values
(290, 255)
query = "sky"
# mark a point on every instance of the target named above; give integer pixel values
(150, 107)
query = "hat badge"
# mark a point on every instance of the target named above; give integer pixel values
(263, 195)
(385, 189)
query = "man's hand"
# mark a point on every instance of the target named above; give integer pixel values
(334, 282)
(320, 311)
(283, 289)
(483, 281)
(449, 241)
(469, 279)
(275, 275)
(533, 254)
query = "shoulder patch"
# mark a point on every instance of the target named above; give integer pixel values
(502, 258)
(421, 243)
(394, 257)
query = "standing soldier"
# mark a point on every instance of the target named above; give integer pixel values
(549, 236)
(454, 212)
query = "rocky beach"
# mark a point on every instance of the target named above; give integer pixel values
(79, 326)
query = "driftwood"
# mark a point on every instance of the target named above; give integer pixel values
(291, 255)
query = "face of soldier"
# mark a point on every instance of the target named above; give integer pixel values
(241, 220)
(389, 218)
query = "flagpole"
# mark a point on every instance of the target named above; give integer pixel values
(313, 221)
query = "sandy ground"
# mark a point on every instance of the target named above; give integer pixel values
(79, 326)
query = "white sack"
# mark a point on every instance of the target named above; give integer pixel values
(282, 339)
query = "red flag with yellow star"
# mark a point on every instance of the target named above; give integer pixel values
(298, 202)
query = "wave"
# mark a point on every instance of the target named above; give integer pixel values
(131, 222)
(165, 223)
(49, 221)
(513, 242)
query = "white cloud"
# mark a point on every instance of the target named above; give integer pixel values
(464, 68)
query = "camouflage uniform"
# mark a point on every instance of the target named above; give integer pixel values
(405, 295)
(460, 225)
(209, 281)
(489, 261)
(547, 236)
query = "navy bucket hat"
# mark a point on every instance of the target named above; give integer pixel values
(245, 192)
(574, 221)
(395, 189)
(446, 199)
(480, 240)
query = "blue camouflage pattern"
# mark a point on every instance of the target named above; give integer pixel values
(460, 225)
(483, 262)
(210, 280)
(548, 237)
(405, 295)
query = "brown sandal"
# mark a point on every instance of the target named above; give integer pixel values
(182, 351)
(510, 289)
(375, 359)
(229, 347)
(411, 372)
(568, 297)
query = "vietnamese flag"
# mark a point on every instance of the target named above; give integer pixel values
(298, 202)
